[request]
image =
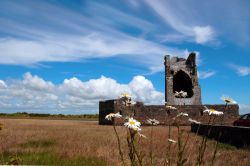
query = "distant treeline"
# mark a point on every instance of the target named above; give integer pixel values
(53, 116)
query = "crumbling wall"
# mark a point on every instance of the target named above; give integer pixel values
(234, 135)
(182, 72)
(143, 112)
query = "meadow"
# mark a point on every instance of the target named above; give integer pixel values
(73, 142)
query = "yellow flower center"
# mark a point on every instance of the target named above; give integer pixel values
(132, 122)
(212, 110)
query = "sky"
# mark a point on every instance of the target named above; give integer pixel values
(65, 56)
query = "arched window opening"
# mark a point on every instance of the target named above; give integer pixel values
(182, 82)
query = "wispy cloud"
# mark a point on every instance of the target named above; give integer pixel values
(174, 16)
(206, 74)
(33, 32)
(240, 70)
(72, 36)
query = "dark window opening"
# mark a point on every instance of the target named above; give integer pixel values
(182, 82)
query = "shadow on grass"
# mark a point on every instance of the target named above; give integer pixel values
(48, 158)
(223, 146)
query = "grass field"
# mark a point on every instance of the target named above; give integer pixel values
(64, 142)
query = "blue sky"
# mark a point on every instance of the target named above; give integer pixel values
(64, 56)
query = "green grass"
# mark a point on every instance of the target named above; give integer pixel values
(38, 143)
(25, 115)
(48, 158)
(226, 146)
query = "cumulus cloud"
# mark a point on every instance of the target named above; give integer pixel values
(240, 70)
(34, 94)
(36, 83)
(143, 90)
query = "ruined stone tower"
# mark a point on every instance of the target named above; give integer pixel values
(181, 74)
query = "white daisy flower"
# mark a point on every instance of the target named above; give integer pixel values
(136, 129)
(212, 111)
(184, 94)
(113, 115)
(228, 100)
(125, 95)
(171, 140)
(133, 124)
(127, 99)
(182, 114)
(193, 121)
(170, 107)
(153, 122)
(141, 135)
(130, 102)
(176, 94)
(180, 94)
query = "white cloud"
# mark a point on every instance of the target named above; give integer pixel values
(244, 108)
(143, 90)
(36, 83)
(241, 70)
(203, 34)
(205, 74)
(181, 21)
(74, 36)
(79, 48)
(2, 84)
(33, 93)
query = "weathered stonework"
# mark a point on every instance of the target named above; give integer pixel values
(143, 112)
(180, 74)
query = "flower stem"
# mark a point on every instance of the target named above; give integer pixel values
(203, 145)
(151, 146)
(217, 141)
(119, 145)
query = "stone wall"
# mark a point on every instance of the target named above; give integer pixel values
(234, 135)
(142, 112)
(105, 108)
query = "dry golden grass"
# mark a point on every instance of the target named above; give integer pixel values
(79, 138)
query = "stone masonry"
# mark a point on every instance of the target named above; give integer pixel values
(143, 112)
(181, 74)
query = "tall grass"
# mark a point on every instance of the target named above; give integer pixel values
(182, 142)
(90, 140)
(49, 158)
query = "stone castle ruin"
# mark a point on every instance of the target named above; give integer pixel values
(180, 75)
